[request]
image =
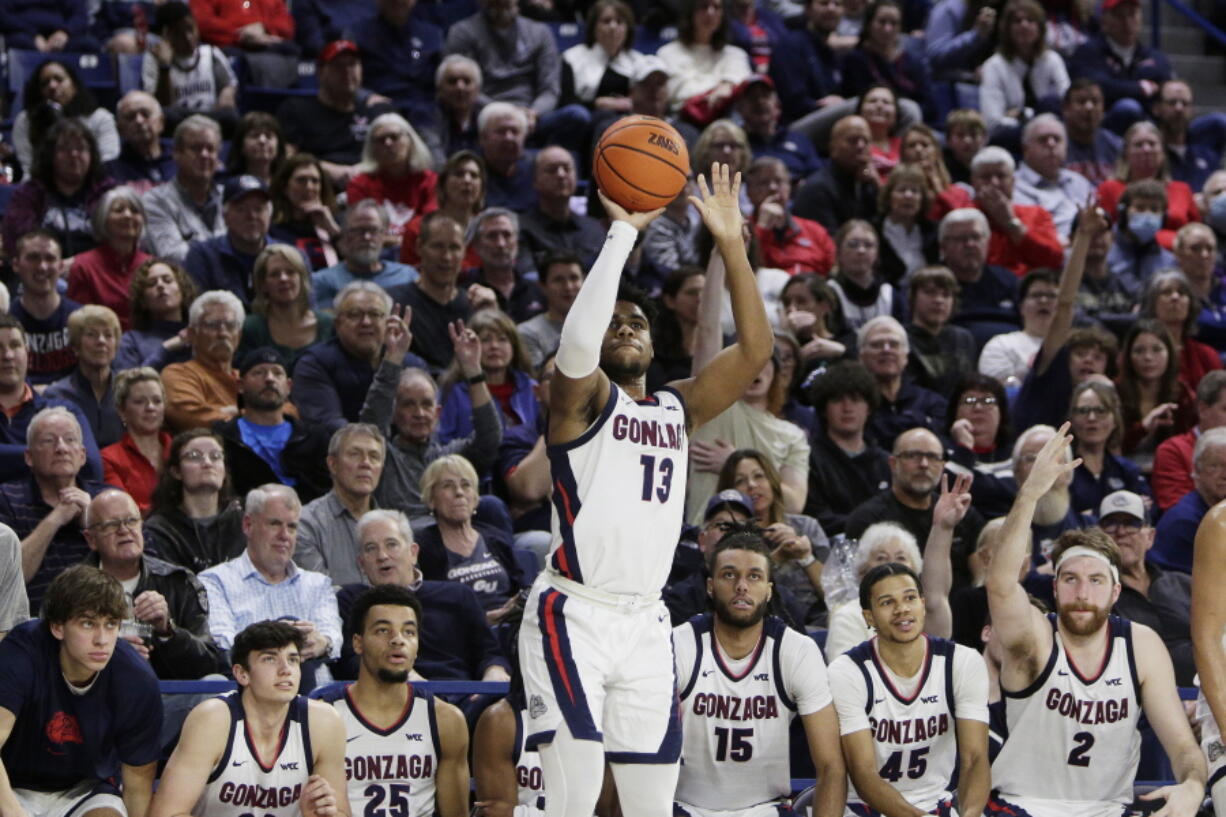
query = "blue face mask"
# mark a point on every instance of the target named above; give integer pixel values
(1144, 226)
(1217, 213)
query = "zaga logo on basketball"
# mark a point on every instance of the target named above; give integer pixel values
(664, 142)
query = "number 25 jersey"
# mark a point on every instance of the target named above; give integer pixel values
(619, 495)
(1074, 737)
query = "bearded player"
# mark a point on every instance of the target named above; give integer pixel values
(744, 677)
(1075, 683)
(595, 643)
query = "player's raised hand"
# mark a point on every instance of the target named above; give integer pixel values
(318, 798)
(720, 204)
(1050, 464)
(1182, 799)
(638, 221)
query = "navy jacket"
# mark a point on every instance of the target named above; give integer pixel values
(330, 384)
(1095, 60)
(22, 20)
(804, 69)
(400, 62)
(13, 440)
(213, 263)
(914, 407)
(793, 149)
(1176, 533)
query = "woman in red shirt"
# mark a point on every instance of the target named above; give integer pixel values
(1144, 157)
(103, 275)
(134, 463)
(1169, 299)
(395, 172)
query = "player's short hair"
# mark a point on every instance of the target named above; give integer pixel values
(83, 590)
(264, 635)
(630, 293)
(392, 594)
(884, 571)
(743, 536)
(1096, 539)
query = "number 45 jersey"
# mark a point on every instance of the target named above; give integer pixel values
(1073, 744)
(912, 721)
(735, 714)
(619, 495)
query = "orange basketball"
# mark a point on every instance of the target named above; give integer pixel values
(641, 163)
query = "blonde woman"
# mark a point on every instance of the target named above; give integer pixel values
(93, 334)
(134, 463)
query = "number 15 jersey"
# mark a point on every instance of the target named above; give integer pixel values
(1073, 738)
(619, 495)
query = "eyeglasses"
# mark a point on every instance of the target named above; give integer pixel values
(198, 455)
(972, 401)
(916, 456)
(1091, 411)
(359, 315)
(112, 526)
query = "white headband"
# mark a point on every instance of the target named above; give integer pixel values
(1082, 550)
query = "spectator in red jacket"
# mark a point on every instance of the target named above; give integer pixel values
(1023, 237)
(246, 24)
(1172, 475)
(788, 242)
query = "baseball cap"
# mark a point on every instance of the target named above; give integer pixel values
(338, 48)
(258, 357)
(729, 496)
(647, 66)
(1125, 502)
(751, 81)
(244, 185)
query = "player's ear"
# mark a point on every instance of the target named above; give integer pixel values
(357, 643)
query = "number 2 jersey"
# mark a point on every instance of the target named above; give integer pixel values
(619, 495)
(913, 722)
(1073, 744)
(390, 771)
(736, 714)
(242, 784)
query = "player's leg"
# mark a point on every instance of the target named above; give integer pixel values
(646, 789)
(574, 774)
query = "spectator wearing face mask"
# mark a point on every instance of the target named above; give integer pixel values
(1136, 253)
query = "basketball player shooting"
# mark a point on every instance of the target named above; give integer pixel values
(595, 644)
(1209, 645)
(1075, 684)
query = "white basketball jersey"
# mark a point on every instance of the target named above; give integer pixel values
(529, 777)
(619, 495)
(915, 739)
(735, 716)
(1074, 737)
(390, 770)
(242, 783)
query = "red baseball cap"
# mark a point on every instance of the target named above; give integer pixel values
(338, 48)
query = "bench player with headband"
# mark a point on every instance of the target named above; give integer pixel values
(263, 750)
(744, 677)
(595, 643)
(1209, 644)
(406, 752)
(913, 708)
(1075, 683)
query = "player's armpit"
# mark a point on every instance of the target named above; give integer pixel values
(493, 767)
(451, 783)
(574, 404)
(328, 740)
(200, 747)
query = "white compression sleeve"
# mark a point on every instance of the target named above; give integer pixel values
(589, 316)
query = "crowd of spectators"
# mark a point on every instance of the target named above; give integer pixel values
(240, 339)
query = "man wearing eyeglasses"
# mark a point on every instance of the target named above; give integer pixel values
(205, 389)
(1149, 595)
(361, 245)
(168, 620)
(916, 464)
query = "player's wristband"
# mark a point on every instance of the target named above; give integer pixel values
(807, 560)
